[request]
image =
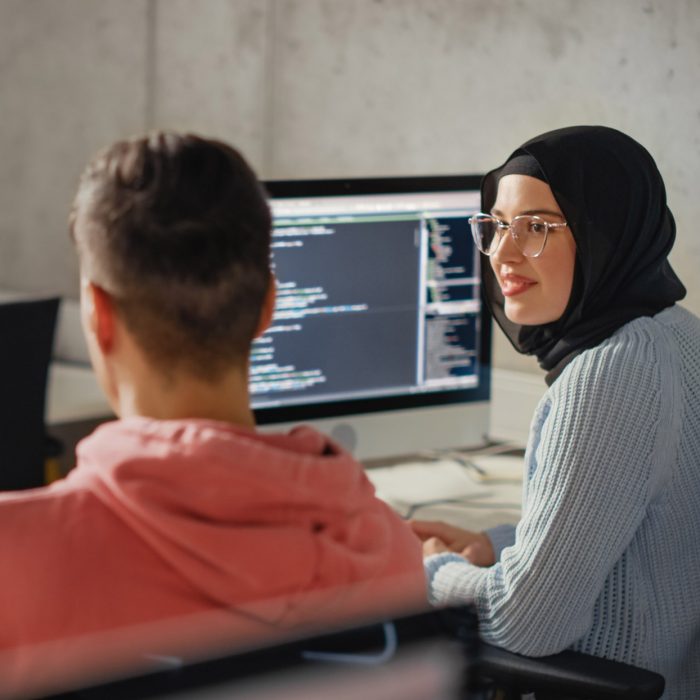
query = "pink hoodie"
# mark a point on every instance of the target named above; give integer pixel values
(166, 521)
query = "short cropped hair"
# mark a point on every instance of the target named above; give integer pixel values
(176, 228)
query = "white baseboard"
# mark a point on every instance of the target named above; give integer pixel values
(514, 397)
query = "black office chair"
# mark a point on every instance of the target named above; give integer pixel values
(26, 341)
(566, 675)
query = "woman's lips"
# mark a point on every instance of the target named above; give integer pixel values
(512, 285)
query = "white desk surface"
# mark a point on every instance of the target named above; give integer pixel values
(447, 490)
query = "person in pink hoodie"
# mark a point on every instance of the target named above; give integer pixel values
(181, 526)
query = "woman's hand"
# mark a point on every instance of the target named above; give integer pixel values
(434, 545)
(441, 537)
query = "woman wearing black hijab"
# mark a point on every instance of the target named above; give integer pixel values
(575, 233)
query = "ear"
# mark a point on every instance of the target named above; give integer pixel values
(101, 316)
(268, 307)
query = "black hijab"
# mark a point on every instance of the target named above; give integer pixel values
(614, 200)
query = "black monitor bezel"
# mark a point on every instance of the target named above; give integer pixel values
(280, 189)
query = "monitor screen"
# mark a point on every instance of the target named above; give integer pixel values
(379, 312)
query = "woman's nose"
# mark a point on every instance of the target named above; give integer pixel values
(507, 250)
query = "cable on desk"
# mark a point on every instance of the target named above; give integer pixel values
(458, 502)
(464, 457)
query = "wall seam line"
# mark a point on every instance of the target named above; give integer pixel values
(151, 63)
(268, 135)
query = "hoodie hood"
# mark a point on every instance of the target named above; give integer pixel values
(244, 516)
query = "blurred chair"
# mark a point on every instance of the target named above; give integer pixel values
(430, 655)
(26, 339)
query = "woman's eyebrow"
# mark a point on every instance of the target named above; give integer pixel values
(532, 212)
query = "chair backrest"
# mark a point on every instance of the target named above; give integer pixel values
(568, 674)
(26, 340)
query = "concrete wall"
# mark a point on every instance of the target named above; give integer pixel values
(314, 88)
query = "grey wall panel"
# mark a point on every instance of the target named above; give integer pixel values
(210, 70)
(71, 80)
(316, 88)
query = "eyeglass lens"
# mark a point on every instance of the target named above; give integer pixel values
(529, 234)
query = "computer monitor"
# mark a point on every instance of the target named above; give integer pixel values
(380, 336)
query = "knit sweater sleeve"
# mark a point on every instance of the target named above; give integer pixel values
(593, 451)
(501, 536)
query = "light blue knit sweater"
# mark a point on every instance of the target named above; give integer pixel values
(606, 557)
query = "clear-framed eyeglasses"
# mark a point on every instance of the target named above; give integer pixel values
(529, 233)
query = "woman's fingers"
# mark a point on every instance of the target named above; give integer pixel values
(434, 545)
(437, 537)
(480, 552)
(434, 528)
